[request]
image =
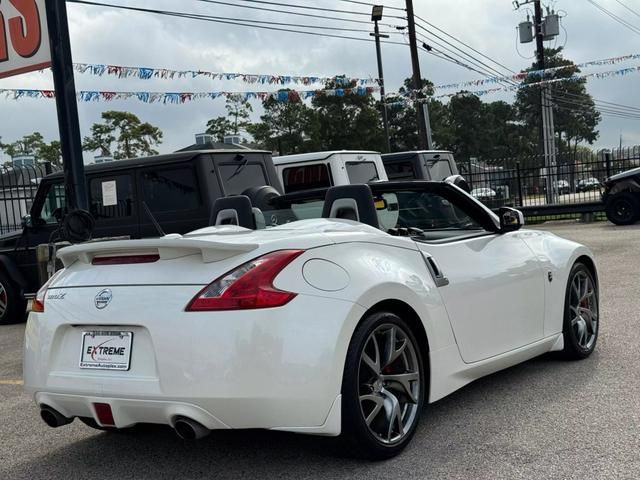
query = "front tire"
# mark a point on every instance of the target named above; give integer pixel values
(623, 208)
(383, 387)
(581, 314)
(13, 306)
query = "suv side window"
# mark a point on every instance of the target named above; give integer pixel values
(55, 199)
(306, 177)
(171, 189)
(111, 197)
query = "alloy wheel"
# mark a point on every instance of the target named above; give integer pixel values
(389, 383)
(583, 304)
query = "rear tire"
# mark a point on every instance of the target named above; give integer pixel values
(581, 314)
(383, 387)
(623, 208)
(13, 306)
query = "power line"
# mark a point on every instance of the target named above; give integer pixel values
(372, 4)
(612, 15)
(465, 44)
(458, 61)
(586, 106)
(628, 8)
(301, 14)
(209, 18)
(492, 72)
(562, 105)
(291, 5)
(605, 102)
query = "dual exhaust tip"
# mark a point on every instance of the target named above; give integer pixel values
(184, 427)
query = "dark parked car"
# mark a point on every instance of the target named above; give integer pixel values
(179, 189)
(622, 197)
(587, 185)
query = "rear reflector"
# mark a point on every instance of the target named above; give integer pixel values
(125, 259)
(249, 286)
(104, 414)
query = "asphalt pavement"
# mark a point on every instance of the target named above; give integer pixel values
(544, 419)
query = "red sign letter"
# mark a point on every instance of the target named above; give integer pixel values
(4, 49)
(25, 32)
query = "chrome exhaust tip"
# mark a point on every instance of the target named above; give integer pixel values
(53, 418)
(188, 429)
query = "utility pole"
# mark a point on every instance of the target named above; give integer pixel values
(546, 107)
(376, 16)
(67, 106)
(423, 142)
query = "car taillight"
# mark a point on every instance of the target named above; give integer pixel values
(250, 286)
(125, 259)
(37, 304)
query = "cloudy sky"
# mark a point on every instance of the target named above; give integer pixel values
(112, 36)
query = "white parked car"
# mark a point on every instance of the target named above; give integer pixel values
(399, 295)
(483, 193)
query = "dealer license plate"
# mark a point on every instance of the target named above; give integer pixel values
(106, 350)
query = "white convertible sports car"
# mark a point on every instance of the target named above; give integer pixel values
(342, 317)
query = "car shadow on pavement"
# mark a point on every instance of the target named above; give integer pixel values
(471, 416)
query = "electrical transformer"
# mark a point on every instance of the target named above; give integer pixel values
(526, 31)
(551, 26)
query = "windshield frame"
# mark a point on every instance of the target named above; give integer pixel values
(476, 210)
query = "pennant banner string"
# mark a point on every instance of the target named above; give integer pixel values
(396, 101)
(184, 97)
(538, 73)
(145, 73)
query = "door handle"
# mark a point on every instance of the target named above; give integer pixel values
(435, 270)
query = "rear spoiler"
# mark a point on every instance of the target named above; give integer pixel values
(168, 248)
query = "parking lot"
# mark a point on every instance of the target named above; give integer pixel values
(546, 418)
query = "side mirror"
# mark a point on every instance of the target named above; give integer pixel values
(26, 221)
(511, 220)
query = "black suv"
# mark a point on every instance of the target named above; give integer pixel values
(622, 197)
(179, 189)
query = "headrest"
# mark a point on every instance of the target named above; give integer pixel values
(351, 202)
(236, 210)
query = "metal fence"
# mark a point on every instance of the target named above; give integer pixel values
(572, 188)
(18, 187)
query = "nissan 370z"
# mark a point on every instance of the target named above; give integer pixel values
(348, 313)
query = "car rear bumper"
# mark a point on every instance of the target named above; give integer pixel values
(274, 369)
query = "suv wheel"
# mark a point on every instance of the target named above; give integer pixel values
(623, 208)
(13, 306)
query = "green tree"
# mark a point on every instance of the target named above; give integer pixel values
(51, 152)
(575, 116)
(351, 122)
(27, 145)
(237, 118)
(133, 138)
(219, 127)
(403, 119)
(287, 127)
(35, 145)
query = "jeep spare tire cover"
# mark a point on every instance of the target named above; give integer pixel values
(78, 226)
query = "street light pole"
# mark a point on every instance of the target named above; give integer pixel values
(376, 16)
